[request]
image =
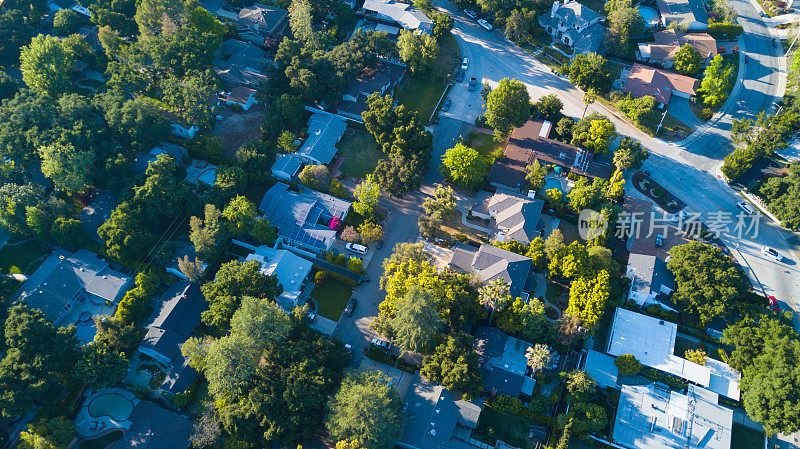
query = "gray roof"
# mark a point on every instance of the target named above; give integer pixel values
(385, 74)
(649, 273)
(569, 14)
(154, 427)
(688, 11)
(433, 415)
(324, 132)
(243, 52)
(403, 14)
(651, 416)
(602, 368)
(64, 275)
(297, 215)
(502, 361)
(287, 163)
(590, 40)
(490, 262)
(179, 378)
(516, 216)
(174, 322)
(238, 75)
(481, 203)
(262, 17)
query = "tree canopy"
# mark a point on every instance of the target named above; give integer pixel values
(454, 365)
(507, 106)
(688, 60)
(465, 166)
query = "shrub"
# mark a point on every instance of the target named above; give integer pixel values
(627, 364)
(320, 277)
(136, 303)
(355, 264)
(706, 114)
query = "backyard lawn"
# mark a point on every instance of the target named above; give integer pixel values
(331, 295)
(17, 258)
(493, 426)
(448, 57)
(421, 95)
(743, 437)
(360, 153)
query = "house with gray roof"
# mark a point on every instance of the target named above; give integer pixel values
(514, 217)
(652, 416)
(651, 281)
(434, 419)
(71, 288)
(155, 427)
(255, 23)
(381, 80)
(324, 132)
(575, 25)
(169, 327)
(503, 363)
(290, 269)
(689, 13)
(304, 218)
(286, 166)
(397, 13)
(490, 262)
(241, 63)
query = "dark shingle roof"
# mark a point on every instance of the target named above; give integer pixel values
(174, 322)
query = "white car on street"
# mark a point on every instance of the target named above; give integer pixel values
(485, 24)
(381, 343)
(464, 64)
(770, 252)
(745, 207)
(470, 13)
(356, 248)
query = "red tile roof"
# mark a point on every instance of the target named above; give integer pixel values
(657, 83)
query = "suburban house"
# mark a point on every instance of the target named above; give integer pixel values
(490, 262)
(92, 36)
(651, 281)
(652, 341)
(324, 132)
(178, 153)
(241, 63)
(168, 328)
(182, 129)
(306, 220)
(382, 80)
(57, 5)
(286, 166)
(396, 13)
(255, 23)
(290, 269)
(155, 427)
(601, 367)
(574, 25)
(531, 142)
(434, 419)
(689, 13)
(187, 250)
(659, 84)
(653, 416)
(668, 42)
(73, 288)
(201, 171)
(242, 96)
(503, 362)
(514, 217)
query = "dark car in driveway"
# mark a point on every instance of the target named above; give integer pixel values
(473, 84)
(446, 105)
(350, 307)
(460, 76)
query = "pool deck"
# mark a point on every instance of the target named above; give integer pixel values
(89, 426)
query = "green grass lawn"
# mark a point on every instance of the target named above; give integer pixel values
(360, 152)
(331, 295)
(18, 258)
(744, 437)
(493, 426)
(448, 57)
(673, 129)
(421, 95)
(102, 442)
(552, 293)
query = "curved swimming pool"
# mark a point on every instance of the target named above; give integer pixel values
(115, 405)
(649, 15)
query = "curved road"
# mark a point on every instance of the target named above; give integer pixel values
(689, 169)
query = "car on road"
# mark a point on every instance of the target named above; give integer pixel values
(770, 252)
(773, 304)
(312, 316)
(350, 307)
(470, 13)
(382, 343)
(446, 105)
(473, 84)
(485, 24)
(464, 64)
(356, 248)
(745, 207)
(721, 50)
(460, 76)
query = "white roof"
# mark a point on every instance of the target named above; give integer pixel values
(649, 416)
(652, 342)
(402, 13)
(602, 369)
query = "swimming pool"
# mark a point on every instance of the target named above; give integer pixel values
(115, 405)
(649, 15)
(552, 183)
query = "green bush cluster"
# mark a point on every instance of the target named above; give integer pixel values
(667, 379)
(135, 305)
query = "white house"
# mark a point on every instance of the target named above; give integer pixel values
(242, 96)
(574, 25)
(184, 130)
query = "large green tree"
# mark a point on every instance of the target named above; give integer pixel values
(709, 284)
(464, 166)
(717, 82)
(46, 66)
(417, 323)
(366, 411)
(99, 365)
(594, 132)
(367, 194)
(507, 106)
(418, 51)
(234, 281)
(624, 22)
(589, 71)
(687, 60)
(454, 365)
(70, 168)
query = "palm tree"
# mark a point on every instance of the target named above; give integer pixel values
(538, 356)
(588, 98)
(494, 295)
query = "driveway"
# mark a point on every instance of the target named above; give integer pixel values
(680, 108)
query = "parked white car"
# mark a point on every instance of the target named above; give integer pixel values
(356, 248)
(485, 24)
(470, 13)
(381, 343)
(770, 252)
(464, 64)
(745, 207)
